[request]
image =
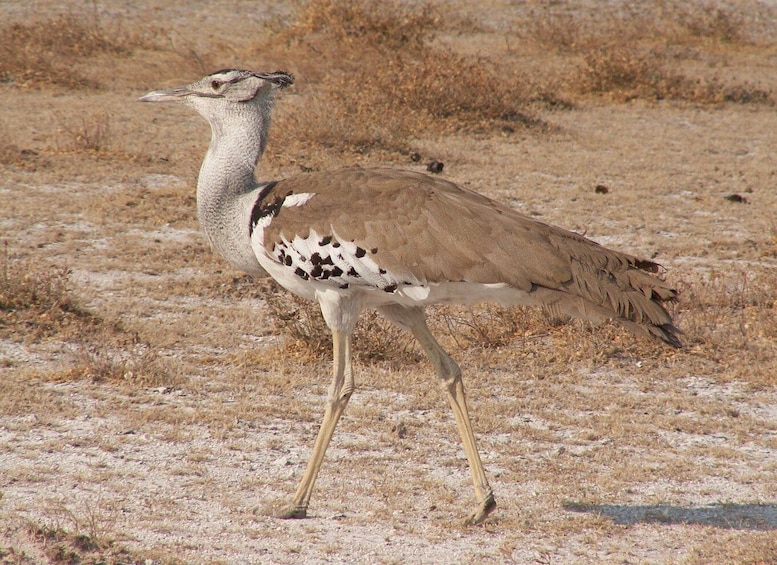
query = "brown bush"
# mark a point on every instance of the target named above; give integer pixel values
(635, 52)
(386, 24)
(37, 300)
(711, 22)
(88, 134)
(379, 80)
(300, 320)
(730, 319)
(45, 52)
(625, 72)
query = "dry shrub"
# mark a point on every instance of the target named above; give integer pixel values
(126, 360)
(744, 93)
(45, 52)
(442, 85)
(379, 81)
(626, 73)
(730, 322)
(710, 21)
(85, 134)
(562, 33)
(630, 53)
(77, 544)
(407, 97)
(298, 319)
(301, 322)
(62, 546)
(485, 326)
(388, 25)
(37, 300)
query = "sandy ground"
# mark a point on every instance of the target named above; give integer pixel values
(645, 457)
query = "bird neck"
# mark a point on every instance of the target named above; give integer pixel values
(226, 187)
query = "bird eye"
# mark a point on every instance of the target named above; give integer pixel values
(216, 84)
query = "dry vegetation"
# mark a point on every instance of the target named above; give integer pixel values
(641, 52)
(384, 81)
(42, 53)
(129, 351)
(37, 301)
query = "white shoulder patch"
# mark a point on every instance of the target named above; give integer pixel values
(297, 199)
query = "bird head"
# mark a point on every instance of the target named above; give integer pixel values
(221, 90)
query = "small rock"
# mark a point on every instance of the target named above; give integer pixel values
(737, 198)
(435, 167)
(415, 157)
(601, 189)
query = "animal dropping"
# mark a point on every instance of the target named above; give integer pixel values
(738, 198)
(396, 241)
(435, 167)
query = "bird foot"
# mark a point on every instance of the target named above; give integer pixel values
(484, 509)
(292, 512)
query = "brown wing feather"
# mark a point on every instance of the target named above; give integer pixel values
(438, 232)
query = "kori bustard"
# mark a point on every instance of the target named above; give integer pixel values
(395, 241)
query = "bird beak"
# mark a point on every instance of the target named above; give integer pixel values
(172, 95)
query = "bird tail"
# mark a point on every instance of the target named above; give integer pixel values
(617, 287)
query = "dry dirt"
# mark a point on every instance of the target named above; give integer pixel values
(159, 417)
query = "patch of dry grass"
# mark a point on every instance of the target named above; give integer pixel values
(689, 23)
(83, 542)
(21, 394)
(307, 335)
(363, 110)
(380, 80)
(37, 300)
(389, 25)
(758, 548)
(375, 77)
(45, 52)
(9, 151)
(626, 72)
(129, 362)
(730, 320)
(87, 134)
(638, 53)
(707, 21)
(700, 23)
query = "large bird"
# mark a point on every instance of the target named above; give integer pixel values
(396, 241)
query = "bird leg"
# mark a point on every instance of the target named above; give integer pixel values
(450, 373)
(339, 393)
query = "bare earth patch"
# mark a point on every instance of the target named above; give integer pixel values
(154, 404)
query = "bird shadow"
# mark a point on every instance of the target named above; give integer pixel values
(759, 517)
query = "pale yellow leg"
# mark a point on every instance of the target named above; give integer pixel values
(450, 373)
(339, 393)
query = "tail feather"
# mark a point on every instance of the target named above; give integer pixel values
(615, 286)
